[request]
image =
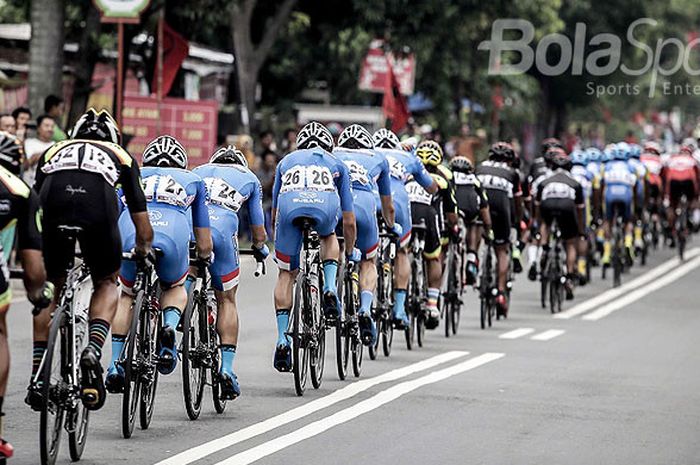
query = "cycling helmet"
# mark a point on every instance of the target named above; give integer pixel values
(652, 148)
(461, 165)
(315, 135)
(165, 151)
(594, 154)
(609, 153)
(386, 139)
(690, 142)
(429, 152)
(355, 137)
(635, 151)
(229, 155)
(560, 159)
(11, 152)
(550, 154)
(689, 149)
(96, 126)
(549, 143)
(622, 151)
(409, 144)
(501, 151)
(579, 157)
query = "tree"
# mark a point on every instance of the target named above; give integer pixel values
(46, 51)
(250, 56)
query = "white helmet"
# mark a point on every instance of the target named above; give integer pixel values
(229, 155)
(315, 135)
(355, 137)
(386, 139)
(165, 151)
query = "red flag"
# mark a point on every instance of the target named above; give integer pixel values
(175, 50)
(394, 104)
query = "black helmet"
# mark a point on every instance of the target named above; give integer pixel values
(229, 155)
(501, 151)
(11, 152)
(461, 165)
(549, 143)
(557, 158)
(97, 126)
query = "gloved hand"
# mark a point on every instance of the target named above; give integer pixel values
(489, 235)
(355, 255)
(455, 233)
(260, 253)
(43, 297)
(440, 181)
(397, 230)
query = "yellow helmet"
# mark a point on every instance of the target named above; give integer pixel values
(429, 152)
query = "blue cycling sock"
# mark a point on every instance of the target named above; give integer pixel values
(366, 298)
(171, 317)
(330, 274)
(228, 353)
(117, 345)
(399, 300)
(282, 324)
(189, 282)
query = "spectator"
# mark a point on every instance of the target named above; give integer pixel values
(22, 115)
(267, 143)
(245, 144)
(466, 144)
(289, 143)
(266, 174)
(55, 107)
(35, 147)
(8, 124)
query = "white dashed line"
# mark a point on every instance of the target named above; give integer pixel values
(516, 333)
(547, 335)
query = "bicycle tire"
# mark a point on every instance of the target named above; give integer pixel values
(51, 419)
(341, 357)
(617, 268)
(420, 329)
(193, 376)
(300, 362)
(317, 354)
(387, 332)
(357, 350)
(491, 308)
(553, 293)
(219, 403)
(130, 397)
(77, 439)
(483, 310)
(150, 325)
(410, 331)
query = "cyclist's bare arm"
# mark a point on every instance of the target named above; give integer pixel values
(349, 230)
(388, 210)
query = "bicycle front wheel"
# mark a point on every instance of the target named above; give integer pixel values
(52, 384)
(148, 376)
(132, 385)
(193, 371)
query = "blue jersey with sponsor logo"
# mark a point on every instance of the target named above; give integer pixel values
(368, 169)
(620, 179)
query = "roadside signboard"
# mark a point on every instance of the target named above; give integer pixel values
(373, 74)
(126, 11)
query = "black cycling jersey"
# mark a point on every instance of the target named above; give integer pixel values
(537, 168)
(502, 184)
(471, 196)
(559, 195)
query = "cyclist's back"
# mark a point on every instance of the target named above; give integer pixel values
(681, 176)
(619, 178)
(502, 183)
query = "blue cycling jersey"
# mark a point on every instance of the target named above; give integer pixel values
(368, 170)
(620, 179)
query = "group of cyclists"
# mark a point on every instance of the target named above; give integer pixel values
(90, 190)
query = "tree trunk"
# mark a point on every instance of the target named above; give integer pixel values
(87, 58)
(45, 52)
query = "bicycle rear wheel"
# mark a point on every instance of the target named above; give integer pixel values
(300, 356)
(484, 310)
(357, 349)
(420, 329)
(617, 267)
(317, 355)
(193, 371)
(148, 377)
(132, 384)
(52, 383)
(387, 332)
(410, 332)
(219, 403)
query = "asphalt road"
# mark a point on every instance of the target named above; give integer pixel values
(614, 381)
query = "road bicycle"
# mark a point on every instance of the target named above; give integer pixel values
(348, 343)
(487, 286)
(384, 295)
(681, 226)
(417, 292)
(553, 276)
(454, 279)
(618, 254)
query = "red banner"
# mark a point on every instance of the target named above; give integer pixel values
(194, 124)
(374, 72)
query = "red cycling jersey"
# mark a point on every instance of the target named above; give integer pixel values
(654, 165)
(680, 167)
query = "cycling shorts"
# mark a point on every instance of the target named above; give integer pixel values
(225, 268)
(171, 235)
(678, 189)
(564, 211)
(323, 208)
(618, 206)
(402, 207)
(501, 216)
(366, 218)
(468, 203)
(425, 213)
(85, 201)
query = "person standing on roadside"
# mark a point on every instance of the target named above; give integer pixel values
(22, 115)
(7, 123)
(55, 108)
(35, 146)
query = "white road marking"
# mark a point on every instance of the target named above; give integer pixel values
(615, 305)
(215, 445)
(547, 335)
(611, 294)
(516, 333)
(347, 414)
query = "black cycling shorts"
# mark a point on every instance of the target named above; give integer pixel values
(425, 213)
(565, 214)
(679, 188)
(468, 203)
(501, 216)
(85, 202)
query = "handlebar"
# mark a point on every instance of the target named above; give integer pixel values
(260, 267)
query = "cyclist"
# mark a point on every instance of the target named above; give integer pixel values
(651, 157)
(502, 185)
(584, 176)
(76, 182)
(634, 155)
(172, 193)
(231, 186)
(405, 167)
(370, 180)
(619, 181)
(430, 209)
(21, 208)
(681, 176)
(474, 204)
(560, 196)
(310, 182)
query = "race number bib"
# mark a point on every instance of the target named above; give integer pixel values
(491, 181)
(417, 194)
(164, 189)
(223, 194)
(558, 190)
(398, 170)
(313, 177)
(619, 176)
(463, 179)
(95, 160)
(358, 173)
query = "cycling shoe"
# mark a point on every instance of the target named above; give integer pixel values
(92, 388)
